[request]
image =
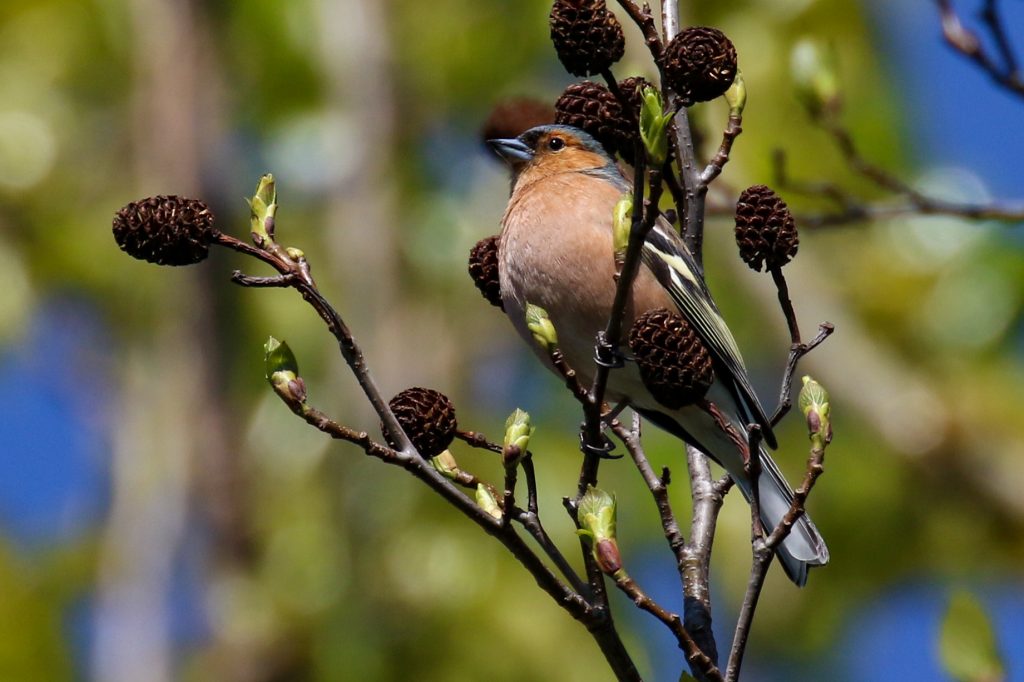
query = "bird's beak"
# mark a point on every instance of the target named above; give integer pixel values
(512, 150)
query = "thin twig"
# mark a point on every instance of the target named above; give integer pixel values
(763, 549)
(675, 188)
(278, 258)
(786, 304)
(478, 440)
(531, 484)
(572, 381)
(644, 19)
(510, 459)
(244, 280)
(815, 468)
(797, 351)
(967, 43)
(732, 130)
(698, 660)
(754, 475)
(657, 485)
(990, 15)
(853, 209)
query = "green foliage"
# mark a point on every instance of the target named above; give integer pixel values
(967, 644)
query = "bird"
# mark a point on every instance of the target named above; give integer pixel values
(555, 251)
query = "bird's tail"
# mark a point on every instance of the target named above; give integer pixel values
(804, 547)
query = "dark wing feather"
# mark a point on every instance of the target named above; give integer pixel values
(668, 258)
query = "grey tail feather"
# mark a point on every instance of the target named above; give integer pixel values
(803, 548)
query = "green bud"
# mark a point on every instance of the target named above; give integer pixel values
(540, 325)
(736, 95)
(814, 74)
(283, 371)
(485, 498)
(294, 253)
(517, 432)
(622, 223)
(654, 127)
(263, 208)
(445, 464)
(814, 403)
(596, 516)
(279, 357)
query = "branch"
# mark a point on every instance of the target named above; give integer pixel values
(732, 130)
(530, 517)
(853, 209)
(295, 272)
(698, 660)
(707, 502)
(966, 42)
(763, 549)
(657, 485)
(644, 216)
(797, 351)
(643, 18)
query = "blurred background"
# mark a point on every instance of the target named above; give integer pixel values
(164, 517)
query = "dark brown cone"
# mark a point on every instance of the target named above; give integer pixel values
(674, 364)
(483, 268)
(587, 37)
(166, 230)
(765, 230)
(428, 418)
(699, 64)
(632, 89)
(594, 109)
(514, 116)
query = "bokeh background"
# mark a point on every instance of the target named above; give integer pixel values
(164, 517)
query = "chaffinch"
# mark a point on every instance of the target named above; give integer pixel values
(555, 251)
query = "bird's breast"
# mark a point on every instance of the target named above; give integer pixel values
(556, 252)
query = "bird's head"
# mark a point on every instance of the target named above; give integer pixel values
(550, 149)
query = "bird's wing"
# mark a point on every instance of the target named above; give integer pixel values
(667, 257)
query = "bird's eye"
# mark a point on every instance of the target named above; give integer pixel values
(556, 143)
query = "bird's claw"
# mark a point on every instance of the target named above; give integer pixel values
(602, 451)
(608, 355)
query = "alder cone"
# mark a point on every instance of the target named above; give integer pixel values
(483, 268)
(766, 232)
(428, 418)
(587, 37)
(674, 364)
(166, 230)
(699, 64)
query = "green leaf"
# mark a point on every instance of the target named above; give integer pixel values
(518, 430)
(967, 643)
(622, 222)
(279, 357)
(540, 325)
(263, 207)
(654, 126)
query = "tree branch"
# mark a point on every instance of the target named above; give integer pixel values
(967, 43)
